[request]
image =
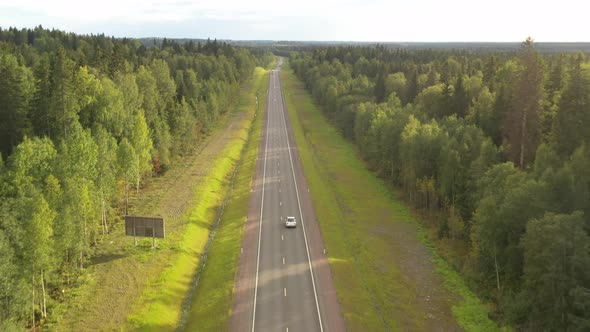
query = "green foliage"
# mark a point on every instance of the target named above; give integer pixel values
(31, 163)
(431, 101)
(13, 292)
(508, 201)
(351, 204)
(522, 122)
(573, 116)
(461, 100)
(63, 102)
(38, 233)
(216, 288)
(127, 164)
(82, 118)
(182, 127)
(442, 125)
(396, 83)
(419, 150)
(142, 145)
(16, 94)
(556, 278)
(161, 306)
(106, 168)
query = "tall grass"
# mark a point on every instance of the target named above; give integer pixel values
(212, 302)
(159, 308)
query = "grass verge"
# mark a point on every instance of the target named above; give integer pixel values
(212, 302)
(470, 312)
(159, 307)
(386, 274)
(119, 274)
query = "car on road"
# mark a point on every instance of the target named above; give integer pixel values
(290, 222)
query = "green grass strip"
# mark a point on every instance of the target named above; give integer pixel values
(471, 313)
(212, 302)
(159, 307)
(356, 304)
(358, 216)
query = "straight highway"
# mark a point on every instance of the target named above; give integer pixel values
(284, 280)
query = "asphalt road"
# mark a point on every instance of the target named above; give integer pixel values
(284, 281)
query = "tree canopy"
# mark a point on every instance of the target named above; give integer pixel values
(492, 146)
(83, 120)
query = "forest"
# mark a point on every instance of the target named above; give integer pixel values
(84, 120)
(492, 148)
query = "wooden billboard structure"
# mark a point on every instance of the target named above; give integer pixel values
(145, 227)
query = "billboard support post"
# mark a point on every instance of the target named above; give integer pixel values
(134, 237)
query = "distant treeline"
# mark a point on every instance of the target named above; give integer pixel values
(483, 48)
(283, 47)
(494, 148)
(83, 119)
(263, 54)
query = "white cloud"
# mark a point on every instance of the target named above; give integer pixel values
(375, 20)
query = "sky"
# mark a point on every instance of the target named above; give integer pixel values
(315, 20)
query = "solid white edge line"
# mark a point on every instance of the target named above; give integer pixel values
(261, 210)
(299, 205)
